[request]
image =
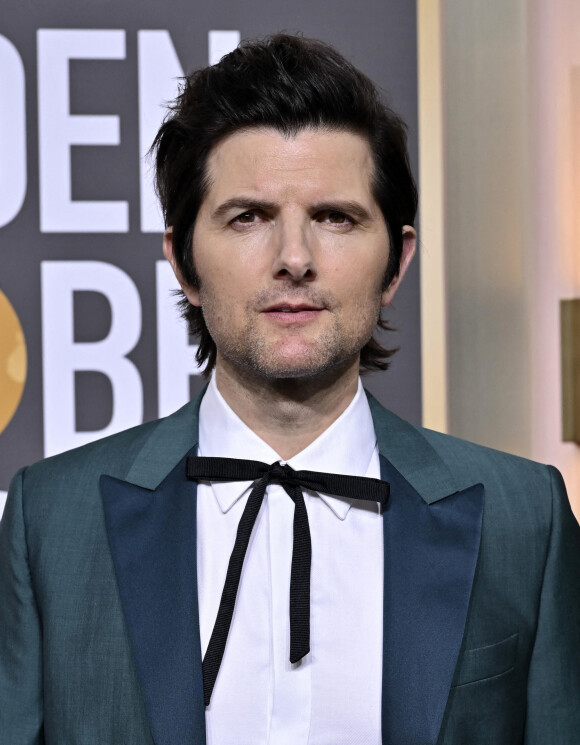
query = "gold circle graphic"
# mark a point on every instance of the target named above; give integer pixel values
(13, 361)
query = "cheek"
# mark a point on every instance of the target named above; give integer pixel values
(217, 276)
(230, 267)
(224, 294)
(360, 282)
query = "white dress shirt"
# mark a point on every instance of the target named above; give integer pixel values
(333, 695)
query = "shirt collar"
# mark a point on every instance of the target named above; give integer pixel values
(346, 447)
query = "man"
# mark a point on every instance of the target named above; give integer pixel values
(326, 610)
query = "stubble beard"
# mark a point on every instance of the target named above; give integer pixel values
(335, 349)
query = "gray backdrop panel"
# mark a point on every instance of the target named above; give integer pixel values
(378, 36)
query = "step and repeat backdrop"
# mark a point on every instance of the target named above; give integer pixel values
(90, 340)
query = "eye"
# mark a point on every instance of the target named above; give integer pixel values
(246, 218)
(337, 219)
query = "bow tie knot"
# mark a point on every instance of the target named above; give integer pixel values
(232, 469)
(278, 472)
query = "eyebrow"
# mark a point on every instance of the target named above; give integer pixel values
(355, 209)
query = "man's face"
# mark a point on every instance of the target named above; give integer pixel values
(291, 249)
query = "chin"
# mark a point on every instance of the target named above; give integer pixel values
(292, 359)
(305, 367)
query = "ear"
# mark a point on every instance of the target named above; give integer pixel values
(409, 245)
(191, 293)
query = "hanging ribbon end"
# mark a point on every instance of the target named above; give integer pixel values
(297, 656)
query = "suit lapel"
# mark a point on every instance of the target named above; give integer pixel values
(151, 525)
(432, 532)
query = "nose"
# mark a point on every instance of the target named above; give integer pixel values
(294, 258)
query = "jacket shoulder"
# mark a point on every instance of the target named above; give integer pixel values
(114, 453)
(469, 460)
(65, 487)
(520, 494)
(464, 462)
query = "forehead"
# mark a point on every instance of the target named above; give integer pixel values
(311, 164)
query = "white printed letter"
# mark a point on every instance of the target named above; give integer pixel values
(12, 132)
(58, 130)
(221, 43)
(62, 357)
(159, 73)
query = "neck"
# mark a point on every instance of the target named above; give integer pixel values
(287, 413)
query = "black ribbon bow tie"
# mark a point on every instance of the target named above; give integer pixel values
(231, 469)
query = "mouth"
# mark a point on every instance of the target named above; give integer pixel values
(291, 308)
(292, 312)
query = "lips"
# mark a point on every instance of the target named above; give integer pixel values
(292, 313)
(291, 308)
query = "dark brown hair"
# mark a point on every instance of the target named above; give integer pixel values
(288, 83)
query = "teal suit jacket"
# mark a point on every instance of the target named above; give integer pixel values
(99, 629)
